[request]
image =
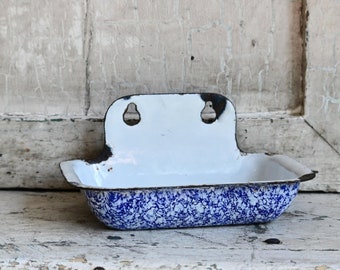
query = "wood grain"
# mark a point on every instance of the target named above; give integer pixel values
(30, 151)
(55, 230)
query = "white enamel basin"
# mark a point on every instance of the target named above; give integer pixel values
(172, 146)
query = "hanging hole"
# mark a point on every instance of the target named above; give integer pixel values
(131, 115)
(208, 114)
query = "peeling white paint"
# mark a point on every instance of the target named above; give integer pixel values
(3, 29)
(23, 58)
(119, 54)
(17, 10)
(229, 48)
(131, 42)
(326, 100)
(260, 80)
(75, 34)
(322, 86)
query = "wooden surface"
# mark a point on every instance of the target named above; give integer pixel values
(73, 58)
(55, 230)
(322, 103)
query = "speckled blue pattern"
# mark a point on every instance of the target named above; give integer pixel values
(191, 207)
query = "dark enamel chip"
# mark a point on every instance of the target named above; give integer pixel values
(272, 241)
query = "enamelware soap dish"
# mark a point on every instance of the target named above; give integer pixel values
(172, 160)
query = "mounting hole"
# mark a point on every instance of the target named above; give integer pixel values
(208, 114)
(131, 115)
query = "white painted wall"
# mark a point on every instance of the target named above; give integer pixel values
(67, 60)
(71, 58)
(323, 70)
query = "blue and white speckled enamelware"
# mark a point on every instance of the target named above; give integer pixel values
(172, 160)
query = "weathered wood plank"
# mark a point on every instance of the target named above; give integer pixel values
(294, 137)
(251, 52)
(70, 58)
(322, 108)
(42, 68)
(30, 151)
(57, 231)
